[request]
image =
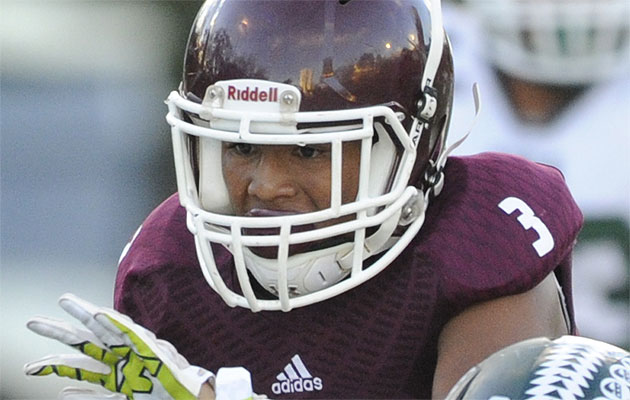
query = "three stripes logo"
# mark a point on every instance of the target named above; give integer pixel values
(296, 379)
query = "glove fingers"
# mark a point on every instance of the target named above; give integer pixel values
(72, 366)
(82, 340)
(72, 393)
(61, 331)
(85, 311)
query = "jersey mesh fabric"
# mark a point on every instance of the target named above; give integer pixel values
(378, 340)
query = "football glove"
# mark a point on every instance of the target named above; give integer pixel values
(231, 383)
(126, 359)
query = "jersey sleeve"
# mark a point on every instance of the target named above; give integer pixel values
(159, 252)
(501, 225)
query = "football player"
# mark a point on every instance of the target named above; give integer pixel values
(309, 140)
(555, 77)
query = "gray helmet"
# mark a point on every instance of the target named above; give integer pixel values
(569, 367)
(562, 42)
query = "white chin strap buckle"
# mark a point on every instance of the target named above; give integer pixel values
(427, 105)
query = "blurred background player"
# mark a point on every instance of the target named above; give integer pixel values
(555, 83)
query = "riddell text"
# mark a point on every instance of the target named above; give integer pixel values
(247, 94)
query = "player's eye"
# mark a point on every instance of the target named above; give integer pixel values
(243, 149)
(310, 151)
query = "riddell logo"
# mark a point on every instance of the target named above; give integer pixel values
(256, 94)
(296, 379)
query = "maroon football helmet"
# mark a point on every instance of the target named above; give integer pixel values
(313, 71)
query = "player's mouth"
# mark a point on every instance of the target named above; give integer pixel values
(272, 251)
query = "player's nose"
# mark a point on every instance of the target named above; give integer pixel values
(272, 180)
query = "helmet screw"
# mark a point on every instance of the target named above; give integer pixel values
(288, 98)
(412, 210)
(213, 98)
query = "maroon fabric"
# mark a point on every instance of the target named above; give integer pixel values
(378, 340)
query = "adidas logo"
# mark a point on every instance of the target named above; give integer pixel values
(296, 378)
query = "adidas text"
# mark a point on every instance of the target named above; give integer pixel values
(295, 378)
(297, 386)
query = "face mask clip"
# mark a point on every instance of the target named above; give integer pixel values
(412, 209)
(427, 105)
(214, 97)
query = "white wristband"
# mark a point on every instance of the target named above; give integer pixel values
(233, 384)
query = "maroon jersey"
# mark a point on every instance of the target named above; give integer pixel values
(499, 227)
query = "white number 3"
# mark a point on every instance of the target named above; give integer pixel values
(528, 220)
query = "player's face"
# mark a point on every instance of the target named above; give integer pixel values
(268, 180)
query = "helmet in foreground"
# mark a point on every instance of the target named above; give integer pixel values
(377, 73)
(562, 42)
(569, 367)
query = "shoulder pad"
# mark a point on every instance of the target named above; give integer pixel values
(500, 226)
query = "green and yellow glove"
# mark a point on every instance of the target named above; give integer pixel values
(126, 359)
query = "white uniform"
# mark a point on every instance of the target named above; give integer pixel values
(589, 142)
